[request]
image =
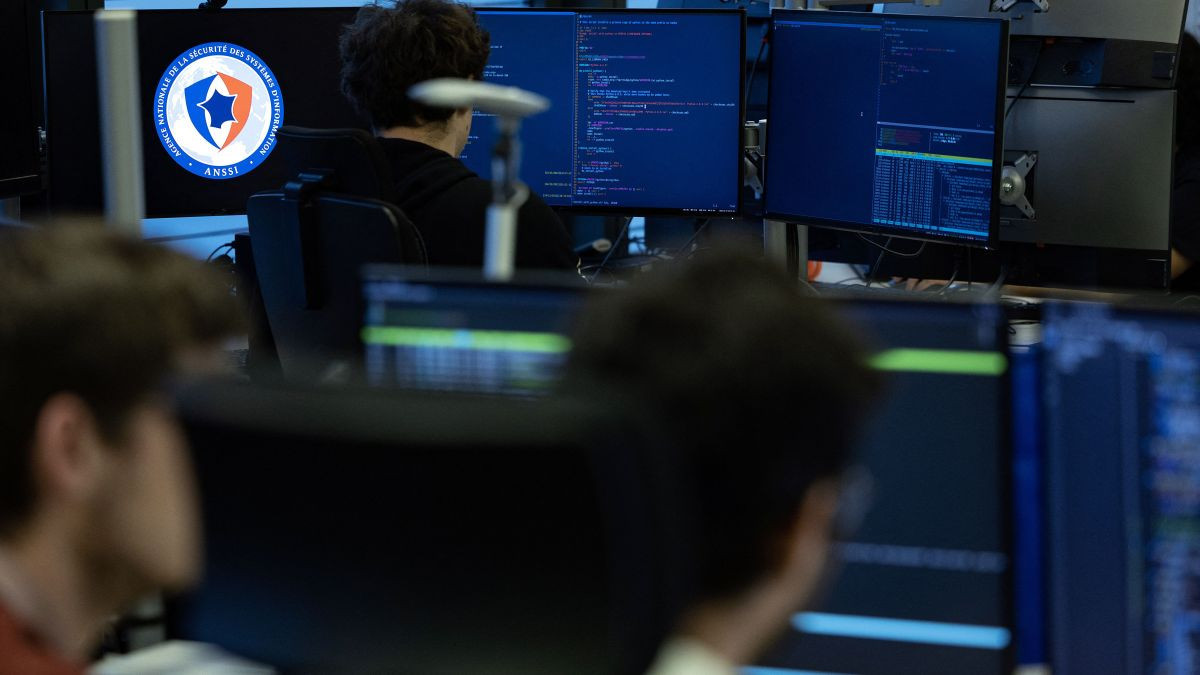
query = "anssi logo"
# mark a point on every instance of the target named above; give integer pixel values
(216, 110)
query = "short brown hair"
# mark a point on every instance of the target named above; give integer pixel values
(100, 315)
(387, 51)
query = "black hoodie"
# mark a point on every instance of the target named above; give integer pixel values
(448, 204)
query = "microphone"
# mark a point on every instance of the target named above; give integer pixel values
(449, 92)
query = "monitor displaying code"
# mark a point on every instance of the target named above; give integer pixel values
(888, 124)
(435, 334)
(1122, 409)
(645, 109)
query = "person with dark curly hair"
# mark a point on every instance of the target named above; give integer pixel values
(384, 52)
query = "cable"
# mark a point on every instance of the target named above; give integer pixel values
(616, 243)
(762, 46)
(994, 289)
(885, 249)
(1032, 69)
(970, 271)
(953, 278)
(878, 261)
(218, 250)
(701, 224)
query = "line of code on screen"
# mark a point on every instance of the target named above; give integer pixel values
(885, 123)
(645, 113)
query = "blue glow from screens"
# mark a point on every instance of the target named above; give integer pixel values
(884, 123)
(645, 107)
(900, 630)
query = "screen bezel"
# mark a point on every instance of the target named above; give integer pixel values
(992, 240)
(26, 178)
(735, 134)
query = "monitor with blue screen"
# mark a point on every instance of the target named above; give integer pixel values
(646, 107)
(887, 124)
(451, 331)
(646, 114)
(925, 584)
(1122, 411)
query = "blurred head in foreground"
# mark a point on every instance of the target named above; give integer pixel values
(760, 389)
(97, 502)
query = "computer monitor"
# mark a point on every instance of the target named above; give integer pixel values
(887, 124)
(924, 584)
(453, 331)
(1091, 142)
(353, 531)
(278, 65)
(646, 107)
(1122, 429)
(644, 121)
(1135, 21)
(20, 164)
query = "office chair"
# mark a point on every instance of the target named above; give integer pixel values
(310, 239)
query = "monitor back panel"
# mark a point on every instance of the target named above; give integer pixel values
(20, 170)
(1160, 21)
(1103, 174)
(369, 531)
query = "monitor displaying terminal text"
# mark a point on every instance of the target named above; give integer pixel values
(924, 583)
(451, 331)
(646, 107)
(887, 124)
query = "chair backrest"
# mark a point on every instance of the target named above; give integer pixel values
(311, 238)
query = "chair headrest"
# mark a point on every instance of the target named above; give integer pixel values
(352, 157)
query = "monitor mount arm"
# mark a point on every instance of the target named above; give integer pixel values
(754, 149)
(1014, 183)
(1005, 5)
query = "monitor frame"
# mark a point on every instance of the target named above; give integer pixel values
(993, 237)
(28, 179)
(1063, 503)
(735, 134)
(59, 176)
(845, 302)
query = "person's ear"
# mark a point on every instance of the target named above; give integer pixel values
(805, 544)
(814, 521)
(67, 465)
